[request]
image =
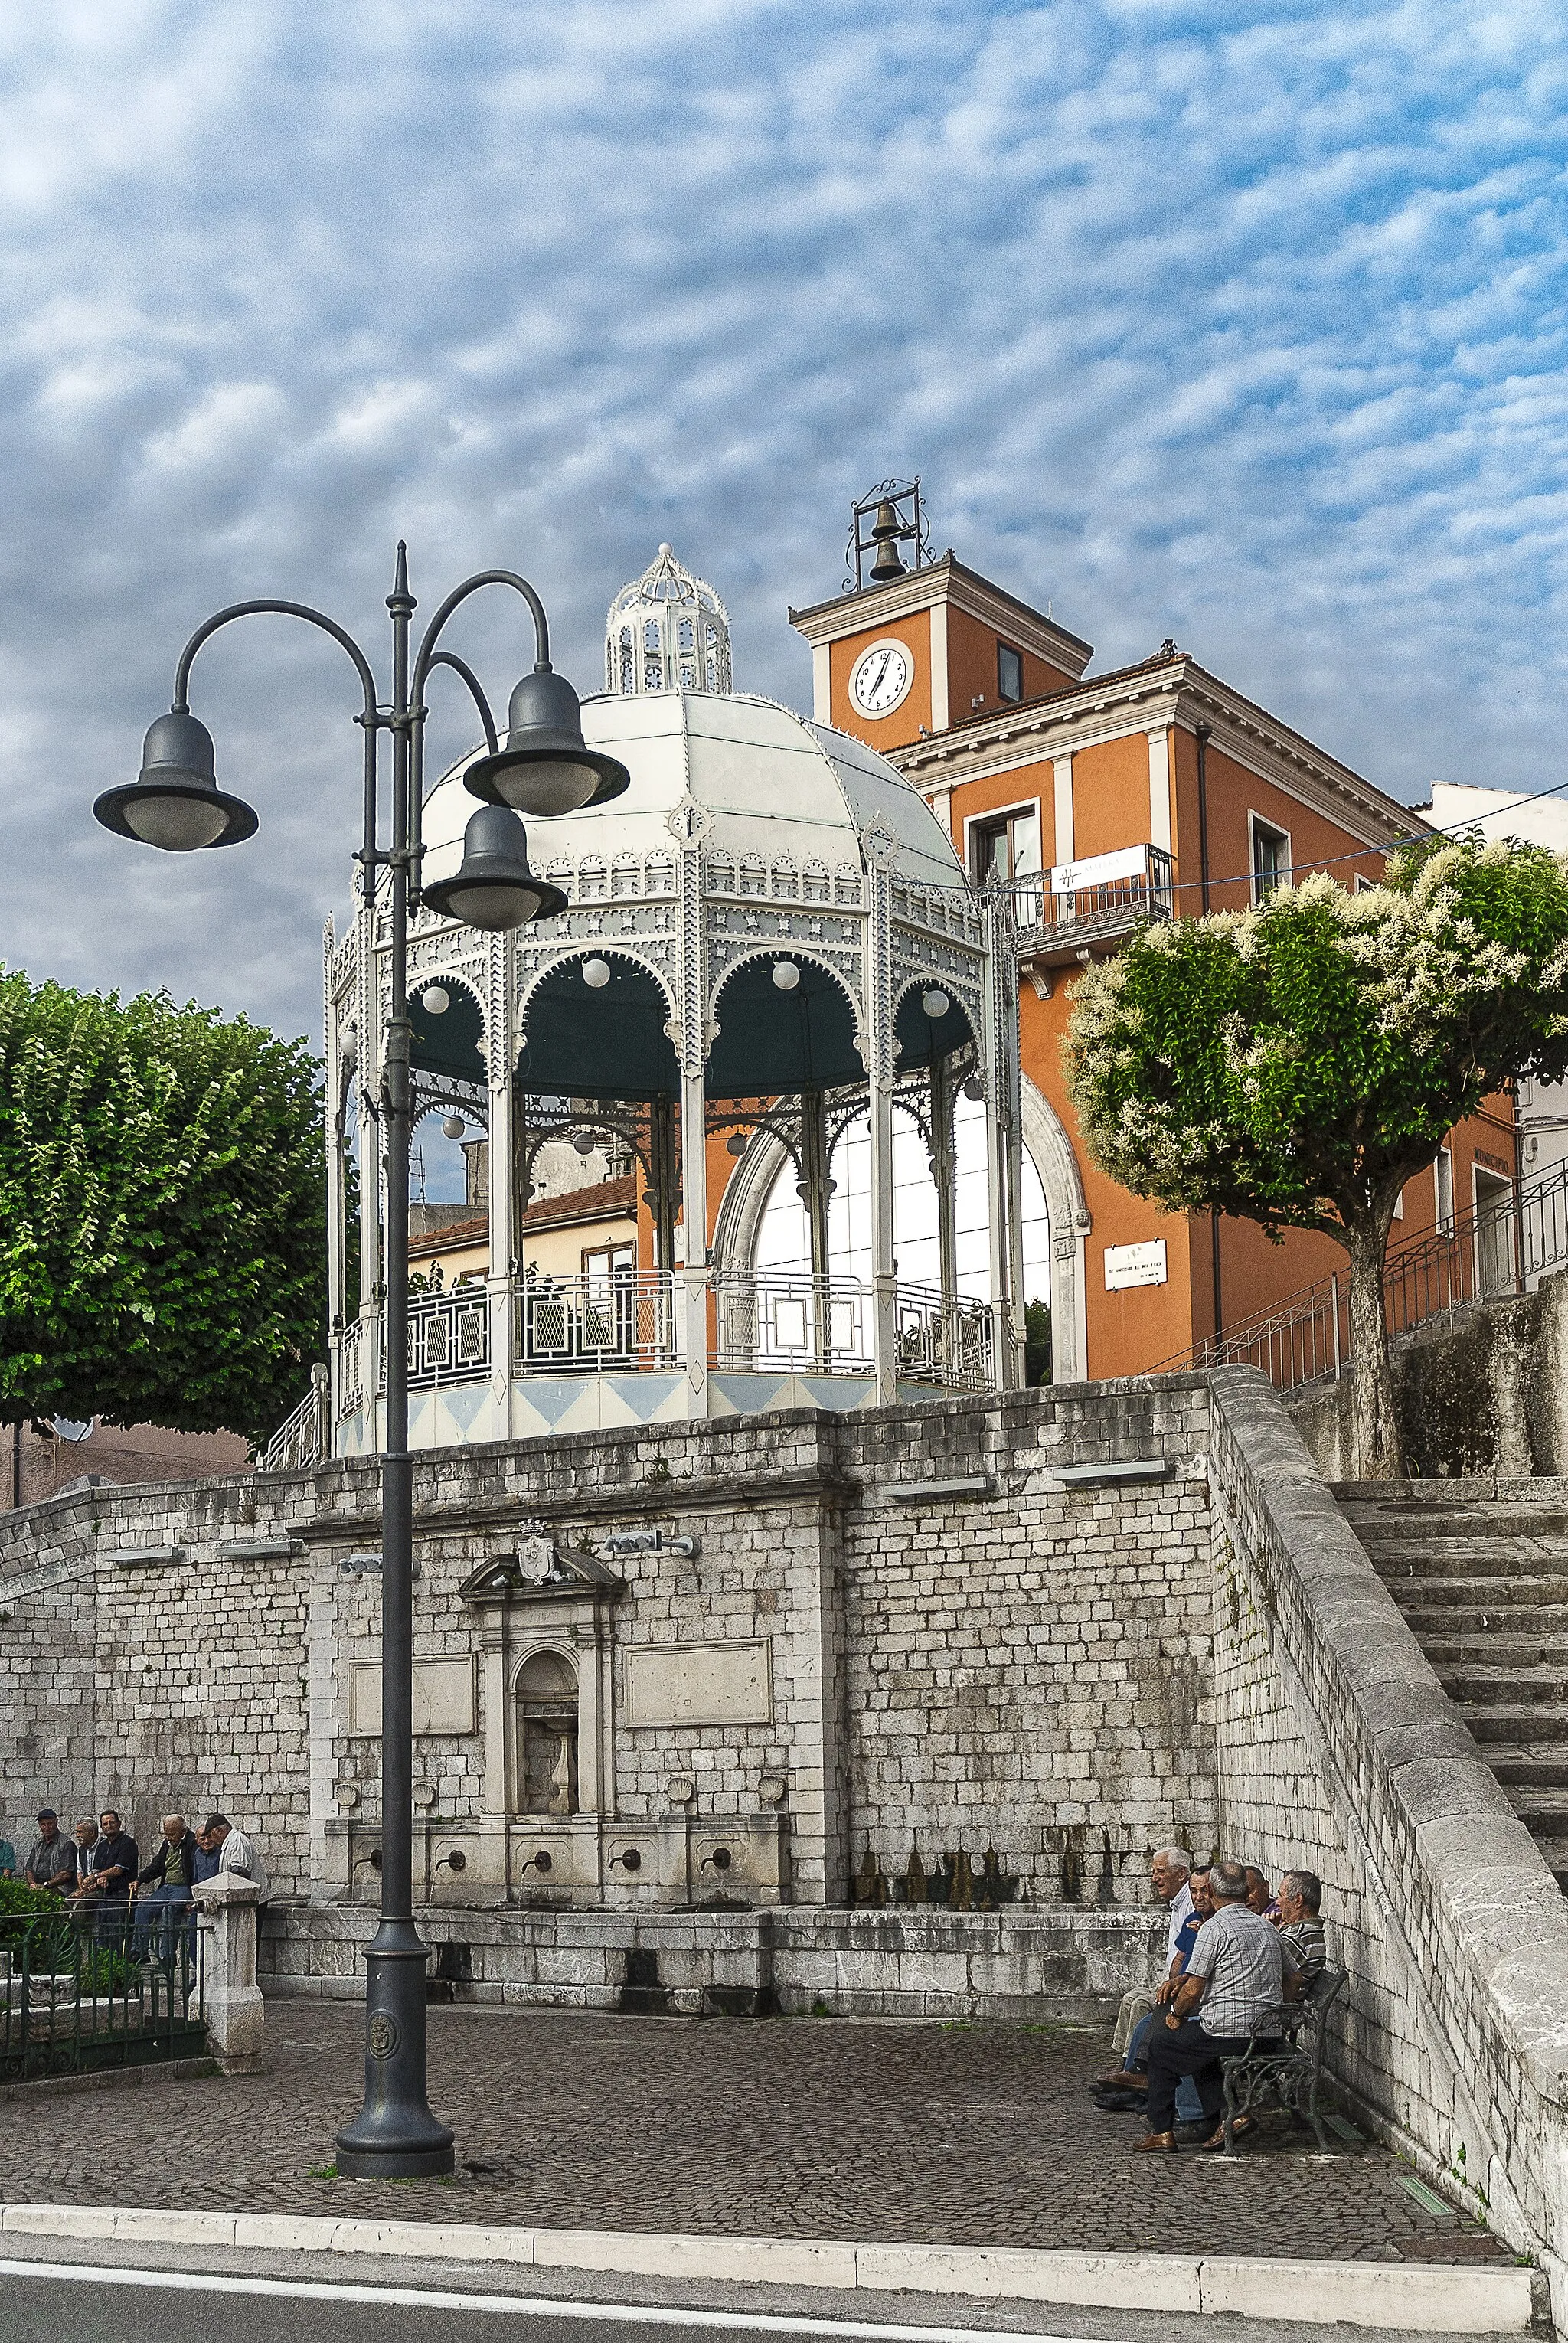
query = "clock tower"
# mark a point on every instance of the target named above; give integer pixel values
(909, 647)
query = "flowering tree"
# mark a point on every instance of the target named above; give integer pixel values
(162, 1213)
(1297, 1063)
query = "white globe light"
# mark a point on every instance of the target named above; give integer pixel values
(735, 1143)
(454, 1127)
(935, 1003)
(974, 1091)
(546, 787)
(596, 974)
(434, 1001)
(178, 824)
(348, 1044)
(786, 975)
(585, 1143)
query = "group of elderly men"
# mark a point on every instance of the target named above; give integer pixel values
(1237, 1955)
(99, 1873)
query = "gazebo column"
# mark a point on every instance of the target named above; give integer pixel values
(884, 1268)
(943, 1169)
(692, 1274)
(999, 1046)
(816, 1188)
(500, 1161)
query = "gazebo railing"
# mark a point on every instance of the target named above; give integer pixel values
(448, 1337)
(773, 1320)
(946, 1339)
(619, 1319)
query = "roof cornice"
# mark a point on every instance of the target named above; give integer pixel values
(946, 581)
(1171, 692)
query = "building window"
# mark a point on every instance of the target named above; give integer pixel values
(1270, 858)
(1005, 847)
(1009, 672)
(1443, 1174)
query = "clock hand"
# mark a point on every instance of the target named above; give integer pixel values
(873, 683)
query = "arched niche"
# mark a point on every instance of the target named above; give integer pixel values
(918, 1039)
(608, 1041)
(546, 1742)
(773, 1043)
(451, 1042)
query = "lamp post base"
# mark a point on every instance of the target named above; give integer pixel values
(395, 2136)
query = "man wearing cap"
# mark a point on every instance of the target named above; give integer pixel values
(52, 1862)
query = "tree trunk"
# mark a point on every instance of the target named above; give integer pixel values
(1377, 1451)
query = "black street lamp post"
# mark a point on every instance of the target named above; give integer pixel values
(544, 767)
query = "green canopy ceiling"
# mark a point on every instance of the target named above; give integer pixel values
(612, 1043)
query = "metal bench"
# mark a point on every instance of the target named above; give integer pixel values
(1290, 2065)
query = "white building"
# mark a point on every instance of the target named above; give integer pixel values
(1542, 821)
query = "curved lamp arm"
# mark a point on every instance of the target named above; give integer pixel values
(428, 657)
(283, 610)
(427, 653)
(370, 717)
(475, 688)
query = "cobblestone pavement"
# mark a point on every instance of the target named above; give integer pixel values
(979, 2135)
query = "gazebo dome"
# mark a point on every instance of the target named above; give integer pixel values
(772, 786)
(666, 631)
(785, 819)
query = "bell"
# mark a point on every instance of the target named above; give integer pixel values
(886, 531)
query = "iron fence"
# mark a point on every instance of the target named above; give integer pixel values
(86, 1988)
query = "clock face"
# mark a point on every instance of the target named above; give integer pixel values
(881, 679)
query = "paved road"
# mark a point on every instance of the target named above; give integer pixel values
(82, 2304)
(964, 2135)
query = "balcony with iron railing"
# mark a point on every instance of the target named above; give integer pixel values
(1073, 907)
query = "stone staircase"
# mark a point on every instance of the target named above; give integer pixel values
(1480, 1570)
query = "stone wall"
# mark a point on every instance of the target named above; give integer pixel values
(976, 1624)
(1337, 1747)
(1076, 1963)
(1485, 1395)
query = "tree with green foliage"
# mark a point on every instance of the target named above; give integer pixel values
(163, 1204)
(1295, 1064)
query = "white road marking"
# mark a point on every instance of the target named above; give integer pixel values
(523, 2306)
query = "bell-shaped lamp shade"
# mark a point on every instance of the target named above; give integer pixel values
(546, 766)
(494, 887)
(177, 803)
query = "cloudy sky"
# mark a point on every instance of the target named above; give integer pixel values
(1243, 324)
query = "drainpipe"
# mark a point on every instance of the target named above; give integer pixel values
(1200, 733)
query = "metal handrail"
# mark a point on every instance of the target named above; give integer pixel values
(773, 1320)
(1482, 1253)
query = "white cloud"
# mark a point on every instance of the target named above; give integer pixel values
(1245, 324)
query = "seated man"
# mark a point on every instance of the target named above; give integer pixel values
(1169, 1868)
(1117, 2093)
(167, 1880)
(1304, 1949)
(1233, 1987)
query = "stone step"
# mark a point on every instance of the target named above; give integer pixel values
(1536, 1587)
(1519, 1724)
(1522, 1558)
(1470, 1682)
(1481, 1643)
(1528, 1769)
(1403, 1526)
(1543, 1810)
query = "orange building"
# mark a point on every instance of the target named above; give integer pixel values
(1096, 796)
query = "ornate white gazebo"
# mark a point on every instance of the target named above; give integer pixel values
(769, 935)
